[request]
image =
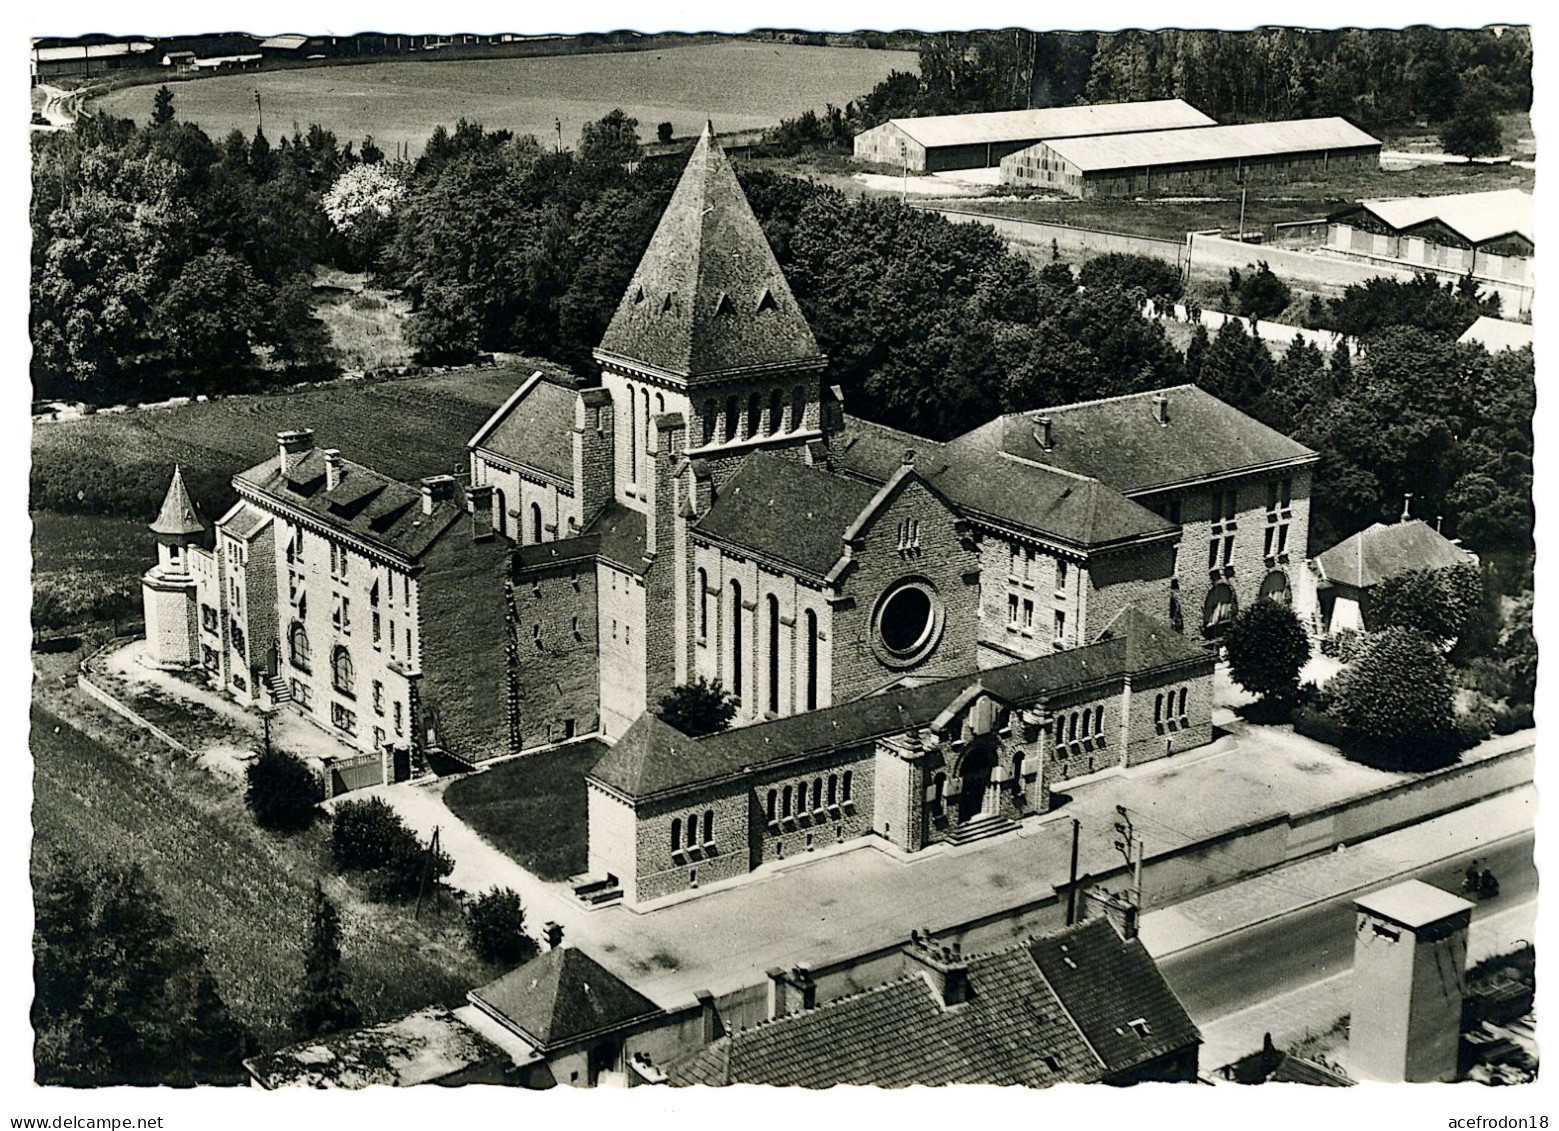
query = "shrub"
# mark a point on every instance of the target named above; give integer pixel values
(1396, 699)
(1343, 645)
(364, 834)
(495, 923)
(1155, 278)
(1510, 718)
(697, 708)
(1267, 648)
(282, 791)
(1319, 725)
(1437, 602)
(1260, 293)
(1474, 725)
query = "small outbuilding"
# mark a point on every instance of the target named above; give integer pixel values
(1347, 573)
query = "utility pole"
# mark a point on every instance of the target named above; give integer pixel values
(1242, 214)
(1130, 847)
(259, 110)
(1071, 887)
(557, 124)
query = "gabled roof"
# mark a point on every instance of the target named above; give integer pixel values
(984, 483)
(621, 532)
(365, 504)
(708, 295)
(421, 1048)
(1120, 441)
(653, 758)
(1495, 334)
(179, 515)
(1381, 551)
(1214, 143)
(1020, 1025)
(560, 996)
(1476, 216)
(244, 521)
(534, 428)
(1057, 121)
(786, 511)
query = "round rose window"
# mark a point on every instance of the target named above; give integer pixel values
(908, 622)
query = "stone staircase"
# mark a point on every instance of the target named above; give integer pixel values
(980, 828)
(280, 689)
(596, 891)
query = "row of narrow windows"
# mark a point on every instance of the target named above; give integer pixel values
(1164, 705)
(792, 800)
(692, 831)
(530, 534)
(807, 645)
(1080, 726)
(754, 420)
(640, 422)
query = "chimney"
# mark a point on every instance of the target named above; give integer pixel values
(943, 966)
(709, 1019)
(1161, 409)
(436, 489)
(1407, 507)
(479, 501)
(1042, 433)
(779, 993)
(294, 446)
(805, 985)
(332, 468)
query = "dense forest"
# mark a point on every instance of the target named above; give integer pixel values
(1375, 77)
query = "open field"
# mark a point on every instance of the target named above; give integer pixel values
(366, 324)
(240, 894)
(739, 85)
(120, 463)
(532, 808)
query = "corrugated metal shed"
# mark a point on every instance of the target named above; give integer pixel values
(1215, 143)
(1057, 121)
(1478, 216)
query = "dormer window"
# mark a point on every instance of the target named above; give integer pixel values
(665, 304)
(638, 295)
(766, 301)
(723, 305)
(1141, 1028)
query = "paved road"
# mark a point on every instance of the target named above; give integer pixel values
(1227, 974)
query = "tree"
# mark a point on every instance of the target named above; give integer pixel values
(162, 106)
(697, 708)
(281, 791)
(1267, 649)
(663, 133)
(1396, 699)
(1260, 294)
(119, 996)
(609, 145)
(1237, 366)
(361, 195)
(208, 314)
(495, 922)
(369, 836)
(1158, 280)
(1438, 603)
(324, 1005)
(1472, 132)
(1518, 651)
(371, 153)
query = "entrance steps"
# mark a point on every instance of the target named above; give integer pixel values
(980, 828)
(280, 689)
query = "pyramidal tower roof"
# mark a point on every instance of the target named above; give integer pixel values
(708, 296)
(178, 515)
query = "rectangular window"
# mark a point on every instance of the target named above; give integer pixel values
(408, 642)
(1017, 559)
(208, 618)
(1228, 550)
(376, 630)
(1028, 615)
(378, 738)
(1060, 573)
(398, 728)
(1212, 553)
(1283, 538)
(1012, 609)
(342, 718)
(1060, 625)
(373, 594)
(1266, 545)
(378, 698)
(392, 638)
(301, 695)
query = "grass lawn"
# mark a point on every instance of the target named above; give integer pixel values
(365, 324)
(240, 894)
(119, 463)
(741, 85)
(532, 808)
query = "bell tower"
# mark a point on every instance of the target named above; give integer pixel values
(168, 589)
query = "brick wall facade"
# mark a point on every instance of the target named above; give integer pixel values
(662, 871)
(556, 619)
(620, 632)
(818, 821)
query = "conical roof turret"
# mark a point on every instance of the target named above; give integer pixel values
(708, 296)
(179, 516)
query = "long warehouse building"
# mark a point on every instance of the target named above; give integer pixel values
(1118, 164)
(978, 141)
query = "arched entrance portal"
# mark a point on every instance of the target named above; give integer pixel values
(975, 794)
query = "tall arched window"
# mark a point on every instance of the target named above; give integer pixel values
(703, 604)
(1087, 719)
(776, 412)
(1017, 772)
(633, 436)
(709, 826)
(833, 789)
(754, 412)
(1071, 727)
(500, 512)
(785, 809)
(736, 639)
(817, 793)
(1158, 708)
(649, 428)
(1182, 702)
(811, 659)
(709, 421)
(341, 670)
(798, 407)
(731, 412)
(938, 792)
(848, 775)
(773, 804)
(535, 522)
(774, 654)
(676, 834)
(1098, 721)
(298, 644)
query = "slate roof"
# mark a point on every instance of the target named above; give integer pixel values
(621, 530)
(1159, 148)
(1381, 551)
(983, 483)
(534, 428)
(179, 514)
(1295, 1070)
(1120, 442)
(370, 506)
(1052, 122)
(1017, 1016)
(787, 511)
(653, 758)
(560, 996)
(245, 520)
(421, 1048)
(1476, 216)
(708, 295)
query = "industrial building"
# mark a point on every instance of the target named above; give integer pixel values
(1121, 163)
(1486, 234)
(979, 141)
